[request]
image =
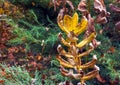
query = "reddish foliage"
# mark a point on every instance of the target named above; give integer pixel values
(2, 81)
(58, 3)
(61, 4)
(116, 81)
(13, 55)
(111, 50)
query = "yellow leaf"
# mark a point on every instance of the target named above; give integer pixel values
(60, 23)
(74, 20)
(85, 53)
(63, 52)
(81, 27)
(90, 75)
(65, 42)
(89, 64)
(87, 40)
(1, 11)
(64, 62)
(68, 22)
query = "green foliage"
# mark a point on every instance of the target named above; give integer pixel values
(39, 38)
(53, 76)
(111, 64)
(18, 76)
(43, 3)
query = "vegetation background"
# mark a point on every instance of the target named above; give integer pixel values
(29, 40)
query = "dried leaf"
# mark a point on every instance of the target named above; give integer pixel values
(3, 73)
(65, 83)
(100, 79)
(102, 55)
(101, 31)
(114, 8)
(39, 57)
(58, 3)
(33, 3)
(91, 27)
(111, 50)
(44, 76)
(117, 26)
(101, 18)
(70, 73)
(70, 4)
(118, 1)
(2, 81)
(95, 43)
(101, 9)
(60, 15)
(99, 5)
(82, 6)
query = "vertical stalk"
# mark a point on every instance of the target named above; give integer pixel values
(88, 5)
